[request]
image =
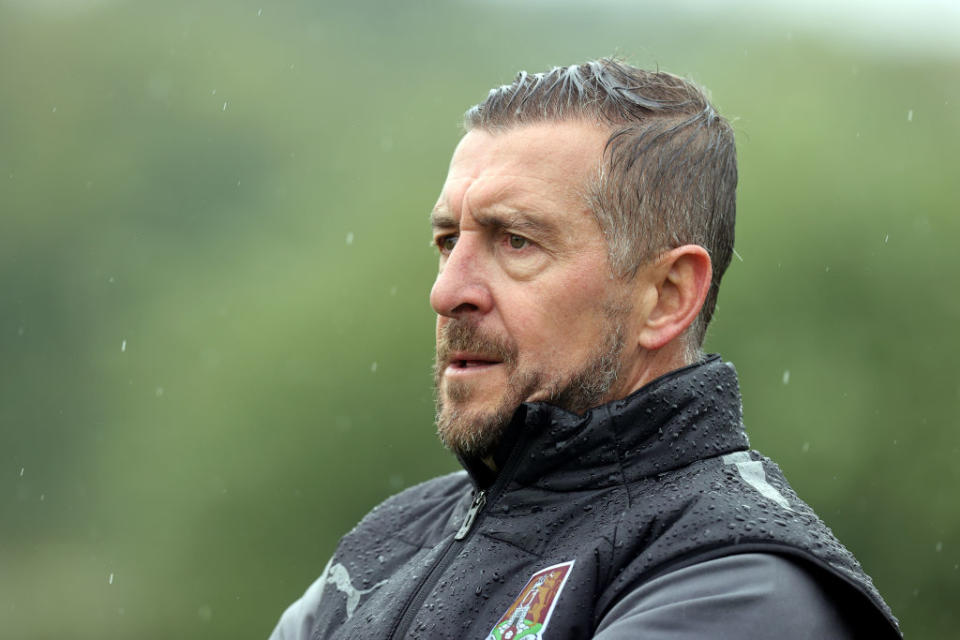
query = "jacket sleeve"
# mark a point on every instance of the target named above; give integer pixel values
(296, 623)
(751, 595)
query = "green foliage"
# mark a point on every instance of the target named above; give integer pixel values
(214, 263)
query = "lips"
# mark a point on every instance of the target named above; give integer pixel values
(470, 361)
(464, 350)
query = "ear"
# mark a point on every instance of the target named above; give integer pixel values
(681, 279)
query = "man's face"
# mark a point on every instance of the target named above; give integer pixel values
(527, 307)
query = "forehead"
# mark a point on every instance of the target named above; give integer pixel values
(542, 162)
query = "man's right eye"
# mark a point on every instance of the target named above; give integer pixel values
(447, 243)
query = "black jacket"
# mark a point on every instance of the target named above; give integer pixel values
(605, 503)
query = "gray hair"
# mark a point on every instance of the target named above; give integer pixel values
(669, 170)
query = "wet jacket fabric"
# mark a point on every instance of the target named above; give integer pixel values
(589, 520)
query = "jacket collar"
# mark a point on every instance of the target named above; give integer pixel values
(686, 415)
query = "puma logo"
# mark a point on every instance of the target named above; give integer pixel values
(338, 576)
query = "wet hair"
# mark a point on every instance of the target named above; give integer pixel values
(668, 175)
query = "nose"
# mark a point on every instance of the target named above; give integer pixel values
(462, 287)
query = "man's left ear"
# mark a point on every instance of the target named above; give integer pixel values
(681, 277)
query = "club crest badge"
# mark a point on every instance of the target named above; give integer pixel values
(529, 614)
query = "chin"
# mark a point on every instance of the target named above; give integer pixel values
(469, 423)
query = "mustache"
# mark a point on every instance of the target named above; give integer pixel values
(462, 335)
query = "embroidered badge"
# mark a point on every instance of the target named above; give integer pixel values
(529, 614)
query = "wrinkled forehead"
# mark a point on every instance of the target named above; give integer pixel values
(553, 160)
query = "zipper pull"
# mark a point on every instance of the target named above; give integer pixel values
(478, 501)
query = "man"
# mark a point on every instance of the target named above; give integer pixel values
(583, 230)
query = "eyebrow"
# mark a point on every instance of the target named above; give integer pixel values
(442, 220)
(516, 220)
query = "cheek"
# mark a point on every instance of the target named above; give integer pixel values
(567, 329)
(560, 317)
(578, 301)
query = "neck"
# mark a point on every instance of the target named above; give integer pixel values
(650, 365)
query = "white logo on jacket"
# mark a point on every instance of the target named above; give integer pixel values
(338, 576)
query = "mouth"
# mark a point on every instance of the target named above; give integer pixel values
(467, 362)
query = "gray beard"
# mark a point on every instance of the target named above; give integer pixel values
(475, 434)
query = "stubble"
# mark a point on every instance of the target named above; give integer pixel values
(475, 433)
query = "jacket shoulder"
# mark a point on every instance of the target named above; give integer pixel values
(417, 515)
(732, 504)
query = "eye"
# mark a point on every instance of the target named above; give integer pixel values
(517, 242)
(446, 243)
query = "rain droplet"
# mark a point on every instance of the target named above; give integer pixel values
(910, 115)
(159, 391)
(259, 12)
(110, 579)
(350, 237)
(939, 547)
(886, 238)
(805, 448)
(21, 471)
(786, 376)
(224, 106)
(373, 368)
(123, 346)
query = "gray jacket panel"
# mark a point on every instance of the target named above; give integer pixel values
(760, 596)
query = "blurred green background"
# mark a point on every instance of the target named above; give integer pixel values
(214, 263)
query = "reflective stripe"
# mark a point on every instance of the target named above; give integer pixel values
(751, 471)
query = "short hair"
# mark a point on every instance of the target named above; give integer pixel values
(669, 170)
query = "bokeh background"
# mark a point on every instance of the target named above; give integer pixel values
(215, 339)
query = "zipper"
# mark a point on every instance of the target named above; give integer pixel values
(466, 528)
(420, 593)
(478, 501)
